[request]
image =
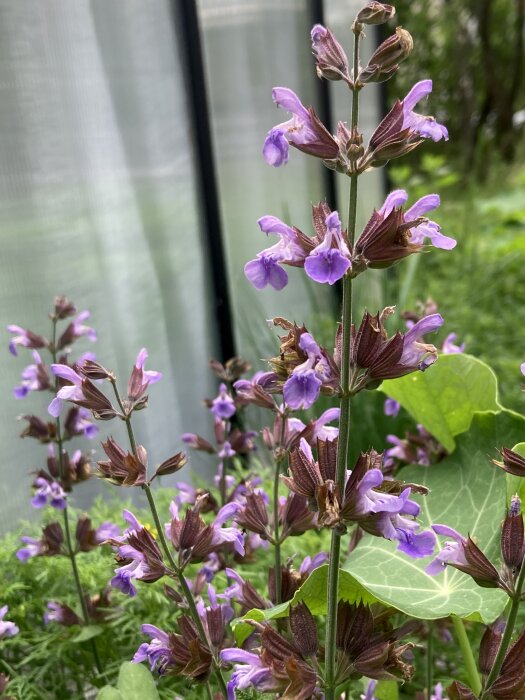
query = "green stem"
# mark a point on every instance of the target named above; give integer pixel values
(507, 634)
(468, 656)
(164, 545)
(277, 541)
(430, 660)
(65, 513)
(222, 484)
(344, 423)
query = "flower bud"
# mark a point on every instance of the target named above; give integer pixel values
(63, 307)
(375, 13)
(513, 463)
(512, 536)
(331, 59)
(489, 645)
(172, 464)
(93, 370)
(385, 60)
(304, 630)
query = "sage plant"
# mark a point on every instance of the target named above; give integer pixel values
(53, 484)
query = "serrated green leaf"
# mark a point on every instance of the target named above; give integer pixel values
(445, 398)
(108, 693)
(467, 493)
(135, 682)
(86, 633)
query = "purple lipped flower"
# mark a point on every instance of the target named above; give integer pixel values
(391, 407)
(370, 689)
(415, 353)
(302, 388)
(424, 229)
(265, 268)
(297, 130)
(449, 346)
(140, 379)
(452, 552)
(33, 548)
(70, 392)
(223, 405)
(25, 338)
(48, 492)
(84, 425)
(222, 534)
(7, 629)
(438, 692)
(157, 652)
(330, 260)
(80, 329)
(321, 429)
(34, 378)
(425, 126)
(249, 671)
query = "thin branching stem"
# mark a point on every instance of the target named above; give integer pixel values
(71, 553)
(167, 551)
(344, 420)
(277, 541)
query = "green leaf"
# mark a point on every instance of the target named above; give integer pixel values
(86, 633)
(108, 693)
(467, 493)
(446, 396)
(135, 682)
(386, 690)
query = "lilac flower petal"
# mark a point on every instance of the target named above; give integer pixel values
(326, 267)
(276, 148)
(422, 206)
(420, 90)
(55, 407)
(394, 200)
(67, 373)
(301, 389)
(391, 407)
(288, 100)
(271, 224)
(20, 392)
(447, 531)
(416, 545)
(264, 271)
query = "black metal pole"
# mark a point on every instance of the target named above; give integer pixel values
(186, 21)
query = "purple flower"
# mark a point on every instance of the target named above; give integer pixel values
(391, 407)
(78, 328)
(415, 353)
(107, 531)
(25, 338)
(34, 378)
(265, 269)
(425, 229)
(228, 534)
(70, 392)
(321, 429)
(249, 671)
(438, 692)
(140, 379)
(33, 548)
(425, 126)
(297, 130)
(329, 261)
(82, 425)
(302, 388)
(7, 629)
(309, 564)
(48, 492)
(223, 406)
(449, 347)
(157, 652)
(452, 552)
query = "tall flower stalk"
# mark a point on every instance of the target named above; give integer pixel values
(345, 407)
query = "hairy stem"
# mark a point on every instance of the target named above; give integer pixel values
(507, 634)
(167, 551)
(344, 421)
(65, 513)
(468, 656)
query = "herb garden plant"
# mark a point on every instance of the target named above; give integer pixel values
(383, 562)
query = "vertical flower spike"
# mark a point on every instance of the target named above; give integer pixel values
(303, 130)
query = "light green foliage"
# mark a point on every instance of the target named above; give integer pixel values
(445, 397)
(135, 682)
